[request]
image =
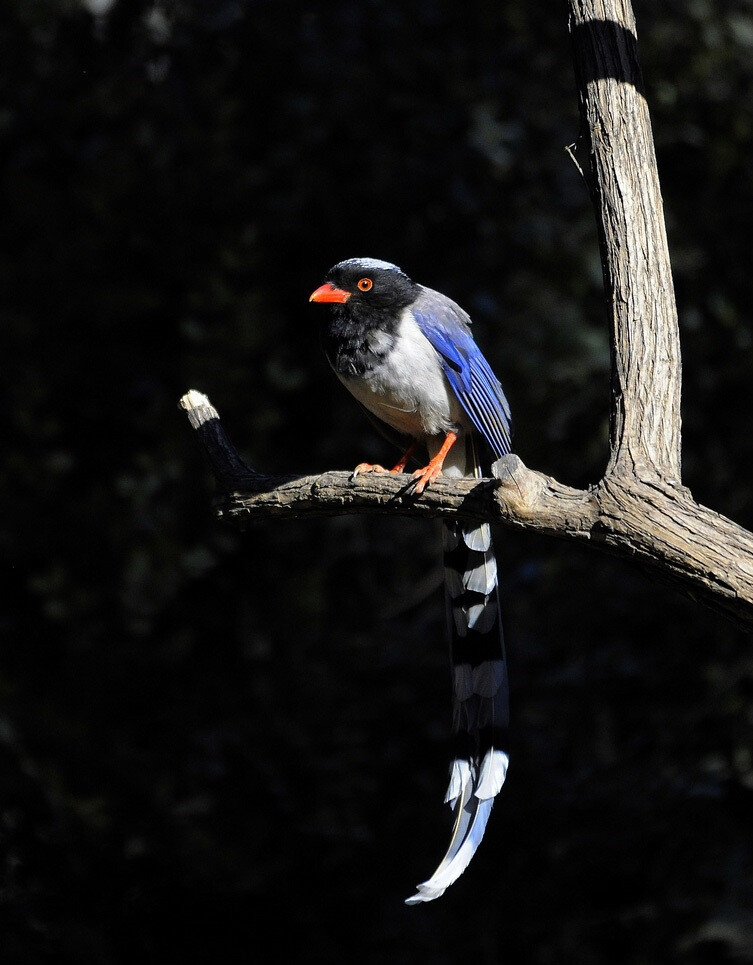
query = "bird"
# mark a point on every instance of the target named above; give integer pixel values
(407, 355)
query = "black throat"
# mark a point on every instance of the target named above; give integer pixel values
(357, 338)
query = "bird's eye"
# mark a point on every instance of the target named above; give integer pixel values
(365, 284)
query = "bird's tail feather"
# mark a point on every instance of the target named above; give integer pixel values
(480, 686)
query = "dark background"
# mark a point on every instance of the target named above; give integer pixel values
(212, 743)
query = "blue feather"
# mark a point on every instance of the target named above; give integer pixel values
(447, 327)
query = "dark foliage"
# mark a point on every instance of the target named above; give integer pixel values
(212, 741)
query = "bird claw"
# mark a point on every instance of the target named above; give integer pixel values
(364, 467)
(423, 477)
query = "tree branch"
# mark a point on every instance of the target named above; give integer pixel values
(653, 523)
(639, 509)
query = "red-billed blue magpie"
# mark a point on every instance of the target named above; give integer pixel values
(407, 355)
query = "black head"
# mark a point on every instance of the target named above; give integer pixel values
(363, 287)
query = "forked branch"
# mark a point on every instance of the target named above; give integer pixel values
(639, 509)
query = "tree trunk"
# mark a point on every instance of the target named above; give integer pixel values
(645, 341)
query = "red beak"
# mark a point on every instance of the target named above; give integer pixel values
(328, 293)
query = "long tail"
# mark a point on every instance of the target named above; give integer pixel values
(480, 686)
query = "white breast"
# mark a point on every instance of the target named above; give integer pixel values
(408, 390)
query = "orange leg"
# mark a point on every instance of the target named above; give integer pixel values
(375, 467)
(400, 466)
(430, 472)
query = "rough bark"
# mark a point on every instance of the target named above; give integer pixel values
(624, 183)
(639, 510)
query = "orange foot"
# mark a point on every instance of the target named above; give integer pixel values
(367, 467)
(375, 467)
(422, 477)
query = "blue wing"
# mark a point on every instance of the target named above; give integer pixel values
(446, 326)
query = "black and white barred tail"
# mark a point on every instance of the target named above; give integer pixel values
(480, 687)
